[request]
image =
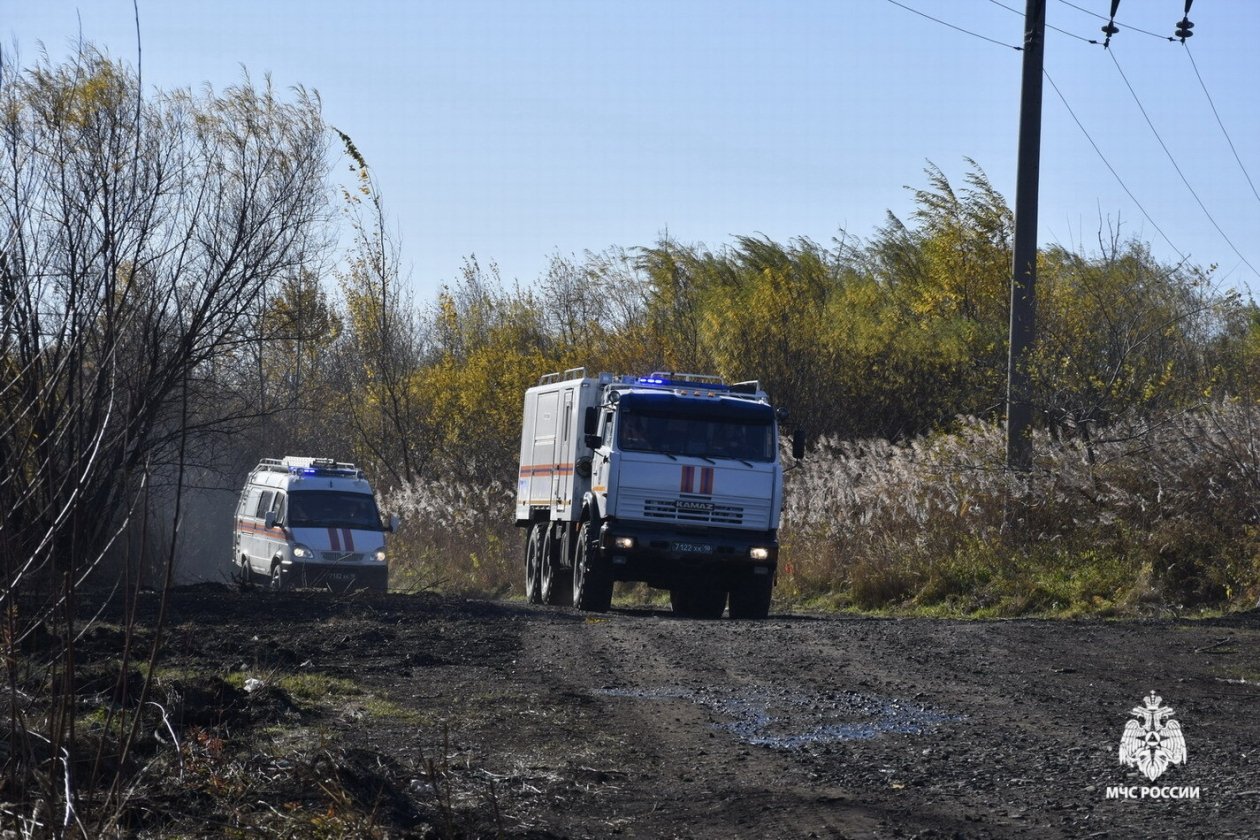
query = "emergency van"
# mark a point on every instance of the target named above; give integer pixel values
(310, 522)
(672, 479)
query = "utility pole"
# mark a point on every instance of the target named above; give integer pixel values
(1024, 264)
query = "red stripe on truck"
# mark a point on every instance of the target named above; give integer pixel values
(333, 540)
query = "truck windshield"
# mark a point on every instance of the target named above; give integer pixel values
(709, 429)
(332, 509)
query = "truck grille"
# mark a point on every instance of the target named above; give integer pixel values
(692, 510)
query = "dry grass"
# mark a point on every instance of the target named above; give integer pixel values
(1150, 511)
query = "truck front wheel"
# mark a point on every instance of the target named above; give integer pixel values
(751, 597)
(592, 577)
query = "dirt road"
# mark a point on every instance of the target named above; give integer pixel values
(541, 722)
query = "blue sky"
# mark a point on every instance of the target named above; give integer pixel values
(517, 130)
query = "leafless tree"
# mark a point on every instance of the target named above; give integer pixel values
(137, 236)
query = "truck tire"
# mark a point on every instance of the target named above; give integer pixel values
(750, 599)
(698, 601)
(533, 563)
(592, 575)
(556, 582)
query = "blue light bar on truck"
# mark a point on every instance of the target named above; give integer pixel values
(706, 383)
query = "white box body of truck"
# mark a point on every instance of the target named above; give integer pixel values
(669, 479)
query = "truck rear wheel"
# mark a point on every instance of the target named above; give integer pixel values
(533, 563)
(750, 599)
(556, 586)
(592, 576)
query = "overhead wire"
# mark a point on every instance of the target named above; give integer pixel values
(957, 28)
(1122, 25)
(1221, 123)
(1049, 26)
(1177, 167)
(1111, 168)
(1145, 115)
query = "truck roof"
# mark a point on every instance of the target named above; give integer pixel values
(676, 382)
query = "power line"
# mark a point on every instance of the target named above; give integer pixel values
(1048, 26)
(1112, 169)
(1219, 122)
(1125, 26)
(958, 28)
(1173, 160)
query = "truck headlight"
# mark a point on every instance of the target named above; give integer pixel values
(759, 553)
(626, 543)
(301, 552)
(379, 555)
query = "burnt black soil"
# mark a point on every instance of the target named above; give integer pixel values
(455, 717)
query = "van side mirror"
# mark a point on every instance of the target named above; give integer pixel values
(269, 521)
(590, 424)
(393, 523)
(798, 444)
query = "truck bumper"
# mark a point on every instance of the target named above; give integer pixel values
(666, 558)
(339, 577)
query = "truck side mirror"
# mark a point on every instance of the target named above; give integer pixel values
(269, 521)
(590, 425)
(393, 522)
(798, 444)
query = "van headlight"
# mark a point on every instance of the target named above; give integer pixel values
(379, 555)
(301, 552)
(759, 553)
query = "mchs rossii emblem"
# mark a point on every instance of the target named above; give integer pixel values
(1153, 740)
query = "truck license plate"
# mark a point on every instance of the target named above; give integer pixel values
(693, 548)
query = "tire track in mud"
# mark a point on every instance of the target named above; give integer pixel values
(724, 712)
(857, 727)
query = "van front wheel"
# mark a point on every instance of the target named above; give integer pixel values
(277, 578)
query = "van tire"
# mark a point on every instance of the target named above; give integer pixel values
(242, 573)
(533, 563)
(592, 575)
(277, 583)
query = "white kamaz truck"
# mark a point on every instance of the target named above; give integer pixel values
(671, 479)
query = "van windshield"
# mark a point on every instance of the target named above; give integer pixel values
(333, 509)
